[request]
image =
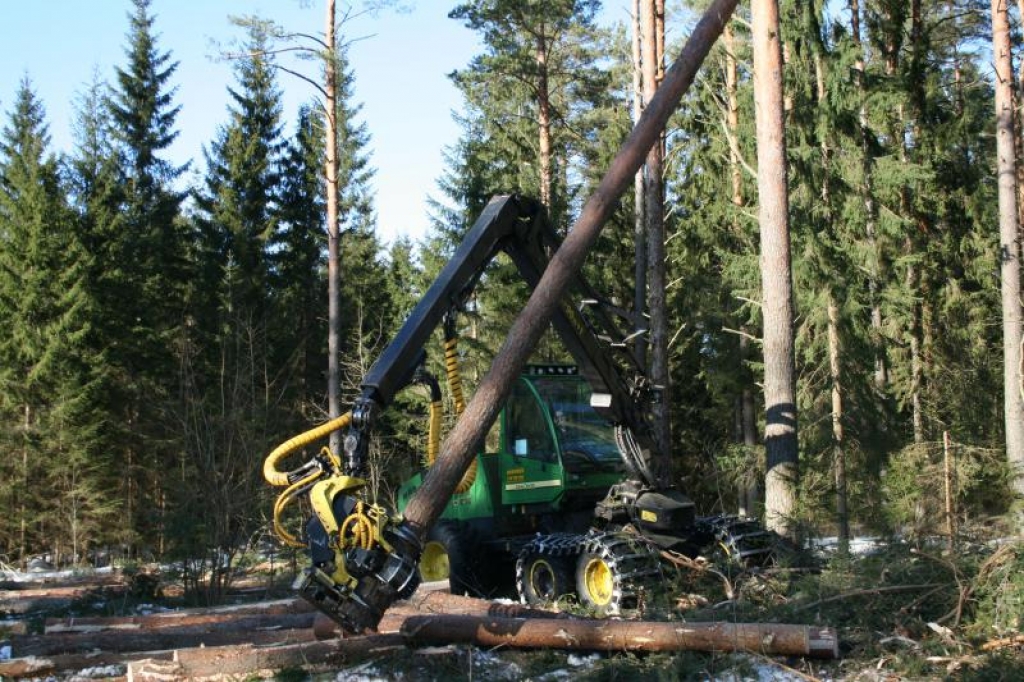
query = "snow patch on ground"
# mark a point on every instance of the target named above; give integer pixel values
(762, 670)
(859, 546)
(578, 661)
(98, 673)
(490, 666)
(367, 672)
(16, 576)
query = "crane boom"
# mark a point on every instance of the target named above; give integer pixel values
(518, 226)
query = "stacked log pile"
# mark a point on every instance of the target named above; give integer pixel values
(240, 640)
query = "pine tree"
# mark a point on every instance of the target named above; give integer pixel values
(539, 56)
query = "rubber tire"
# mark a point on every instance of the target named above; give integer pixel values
(463, 552)
(545, 579)
(586, 564)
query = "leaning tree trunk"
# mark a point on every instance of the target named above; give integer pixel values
(459, 448)
(1009, 244)
(333, 262)
(781, 479)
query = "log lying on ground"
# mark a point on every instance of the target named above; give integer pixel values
(243, 639)
(436, 602)
(246, 659)
(42, 666)
(185, 617)
(617, 635)
(444, 602)
(253, 629)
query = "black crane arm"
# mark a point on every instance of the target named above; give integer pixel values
(519, 227)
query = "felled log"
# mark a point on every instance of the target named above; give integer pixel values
(43, 666)
(1003, 643)
(424, 603)
(444, 602)
(182, 618)
(246, 659)
(615, 635)
(252, 629)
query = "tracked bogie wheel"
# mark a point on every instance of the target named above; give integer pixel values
(452, 551)
(744, 543)
(613, 570)
(546, 568)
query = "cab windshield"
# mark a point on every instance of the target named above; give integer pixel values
(582, 433)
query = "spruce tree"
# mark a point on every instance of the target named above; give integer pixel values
(45, 363)
(144, 270)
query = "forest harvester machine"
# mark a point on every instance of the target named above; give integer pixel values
(565, 488)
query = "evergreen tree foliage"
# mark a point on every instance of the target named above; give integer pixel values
(230, 387)
(51, 493)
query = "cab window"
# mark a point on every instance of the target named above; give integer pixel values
(526, 428)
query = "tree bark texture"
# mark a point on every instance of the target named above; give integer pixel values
(654, 214)
(543, 121)
(333, 251)
(460, 446)
(619, 635)
(1009, 243)
(781, 480)
(639, 203)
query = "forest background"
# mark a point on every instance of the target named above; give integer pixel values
(162, 335)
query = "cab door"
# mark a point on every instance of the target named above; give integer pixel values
(531, 470)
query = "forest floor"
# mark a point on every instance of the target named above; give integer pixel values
(901, 613)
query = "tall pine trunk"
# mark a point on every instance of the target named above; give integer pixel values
(1009, 245)
(654, 210)
(544, 123)
(781, 479)
(640, 221)
(333, 260)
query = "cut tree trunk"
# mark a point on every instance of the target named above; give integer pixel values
(251, 629)
(617, 635)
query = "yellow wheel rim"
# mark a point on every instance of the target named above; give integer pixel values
(542, 579)
(598, 579)
(434, 562)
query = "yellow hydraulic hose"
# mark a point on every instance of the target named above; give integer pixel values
(451, 365)
(434, 431)
(361, 528)
(283, 500)
(279, 478)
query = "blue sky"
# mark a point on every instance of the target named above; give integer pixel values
(400, 61)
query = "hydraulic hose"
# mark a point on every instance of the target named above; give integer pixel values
(283, 500)
(275, 476)
(434, 418)
(451, 365)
